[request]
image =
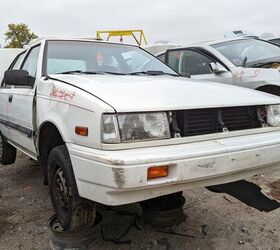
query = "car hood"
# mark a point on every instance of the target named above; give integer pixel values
(162, 93)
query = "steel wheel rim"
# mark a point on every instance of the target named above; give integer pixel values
(61, 193)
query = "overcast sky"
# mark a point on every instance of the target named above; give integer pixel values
(173, 20)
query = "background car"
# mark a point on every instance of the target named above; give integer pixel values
(244, 61)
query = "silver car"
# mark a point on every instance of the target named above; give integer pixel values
(248, 62)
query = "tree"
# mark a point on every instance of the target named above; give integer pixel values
(18, 35)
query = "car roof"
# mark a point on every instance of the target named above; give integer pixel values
(216, 41)
(39, 40)
(159, 48)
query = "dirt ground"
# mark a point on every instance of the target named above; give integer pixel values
(214, 220)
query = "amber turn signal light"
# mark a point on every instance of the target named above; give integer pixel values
(83, 131)
(157, 172)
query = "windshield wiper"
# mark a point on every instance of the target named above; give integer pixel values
(76, 71)
(70, 72)
(110, 73)
(89, 72)
(151, 73)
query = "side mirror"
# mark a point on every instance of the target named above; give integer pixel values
(18, 78)
(217, 68)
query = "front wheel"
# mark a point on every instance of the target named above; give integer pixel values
(72, 211)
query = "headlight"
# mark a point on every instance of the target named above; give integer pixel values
(273, 115)
(110, 129)
(135, 127)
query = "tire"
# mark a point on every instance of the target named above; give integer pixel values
(72, 211)
(164, 211)
(8, 153)
(163, 203)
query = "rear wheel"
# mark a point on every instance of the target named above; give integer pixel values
(8, 153)
(71, 210)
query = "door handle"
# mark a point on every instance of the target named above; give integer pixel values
(10, 98)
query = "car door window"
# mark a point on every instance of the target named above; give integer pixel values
(30, 63)
(189, 62)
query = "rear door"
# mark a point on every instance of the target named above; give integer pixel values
(20, 105)
(195, 63)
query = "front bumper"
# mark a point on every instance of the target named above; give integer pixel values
(120, 177)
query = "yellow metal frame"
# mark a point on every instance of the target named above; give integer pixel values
(121, 33)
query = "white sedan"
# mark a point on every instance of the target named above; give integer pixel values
(247, 62)
(110, 123)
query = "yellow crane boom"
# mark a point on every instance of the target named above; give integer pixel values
(138, 35)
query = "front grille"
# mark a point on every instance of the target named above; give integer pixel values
(213, 120)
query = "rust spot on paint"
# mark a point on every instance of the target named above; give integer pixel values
(119, 176)
(116, 162)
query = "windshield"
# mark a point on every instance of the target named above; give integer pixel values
(248, 51)
(97, 57)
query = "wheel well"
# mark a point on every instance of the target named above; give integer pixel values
(49, 137)
(271, 89)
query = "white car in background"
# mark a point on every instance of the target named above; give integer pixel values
(245, 61)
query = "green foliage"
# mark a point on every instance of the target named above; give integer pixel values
(18, 35)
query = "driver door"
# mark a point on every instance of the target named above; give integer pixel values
(20, 106)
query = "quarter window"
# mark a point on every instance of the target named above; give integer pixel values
(161, 57)
(18, 62)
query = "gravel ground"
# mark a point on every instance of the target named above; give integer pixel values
(214, 220)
